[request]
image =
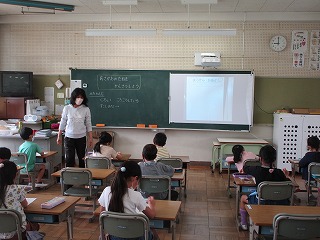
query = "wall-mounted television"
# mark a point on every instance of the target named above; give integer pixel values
(16, 84)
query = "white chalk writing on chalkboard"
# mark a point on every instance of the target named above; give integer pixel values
(123, 82)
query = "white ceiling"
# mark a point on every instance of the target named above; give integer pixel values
(171, 10)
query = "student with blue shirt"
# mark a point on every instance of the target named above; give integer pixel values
(313, 155)
(150, 167)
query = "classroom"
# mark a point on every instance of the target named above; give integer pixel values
(52, 45)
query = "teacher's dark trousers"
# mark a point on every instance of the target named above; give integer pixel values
(73, 145)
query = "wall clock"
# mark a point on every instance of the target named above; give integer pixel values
(278, 43)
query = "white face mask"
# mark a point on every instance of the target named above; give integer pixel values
(79, 101)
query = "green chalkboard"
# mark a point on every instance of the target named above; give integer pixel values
(125, 98)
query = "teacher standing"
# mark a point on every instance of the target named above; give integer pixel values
(76, 123)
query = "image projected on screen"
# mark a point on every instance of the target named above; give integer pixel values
(212, 98)
(209, 99)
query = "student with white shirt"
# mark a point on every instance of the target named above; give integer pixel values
(121, 195)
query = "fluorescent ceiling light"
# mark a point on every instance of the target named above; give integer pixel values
(120, 32)
(39, 4)
(199, 32)
(199, 1)
(120, 2)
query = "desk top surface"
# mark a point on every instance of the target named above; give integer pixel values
(243, 181)
(96, 173)
(242, 140)
(35, 206)
(165, 210)
(262, 215)
(47, 154)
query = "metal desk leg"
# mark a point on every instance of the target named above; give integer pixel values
(228, 187)
(173, 229)
(70, 223)
(185, 183)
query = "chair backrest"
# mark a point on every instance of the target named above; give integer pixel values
(11, 221)
(123, 225)
(251, 163)
(98, 162)
(20, 159)
(155, 185)
(173, 162)
(76, 177)
(313, 168)
(294, 226)
(275, 191)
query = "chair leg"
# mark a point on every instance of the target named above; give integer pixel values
(32, 176)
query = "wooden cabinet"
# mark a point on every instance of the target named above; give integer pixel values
(12, 107)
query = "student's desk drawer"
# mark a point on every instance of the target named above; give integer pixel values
(45, 218)
(156, 223)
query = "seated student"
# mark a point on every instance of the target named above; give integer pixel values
(5, 154)
(30, 148)
(313, 155)
(160, 140)
(103, 149)
(239, 156)
(265, 172)
(151, 167)
(122, 197)
(13, 196)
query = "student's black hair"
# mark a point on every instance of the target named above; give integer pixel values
(268, 154)
(5, 153)
(237, 153)
(105, 138)
(313, 142)
(160, 139)
(149, 152)
(119, 186)
(8, 171)
(76, 93)
(25, 133)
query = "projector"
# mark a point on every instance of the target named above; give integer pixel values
(210, 59)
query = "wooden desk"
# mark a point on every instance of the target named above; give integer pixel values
(98, 174)
(242, 141)
(261, 216)
(165, 211)
(62, 212)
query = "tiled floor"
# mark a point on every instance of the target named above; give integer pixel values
(207, 212)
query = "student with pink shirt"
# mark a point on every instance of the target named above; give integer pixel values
(239, 156)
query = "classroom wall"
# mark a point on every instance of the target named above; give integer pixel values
(49, 49)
